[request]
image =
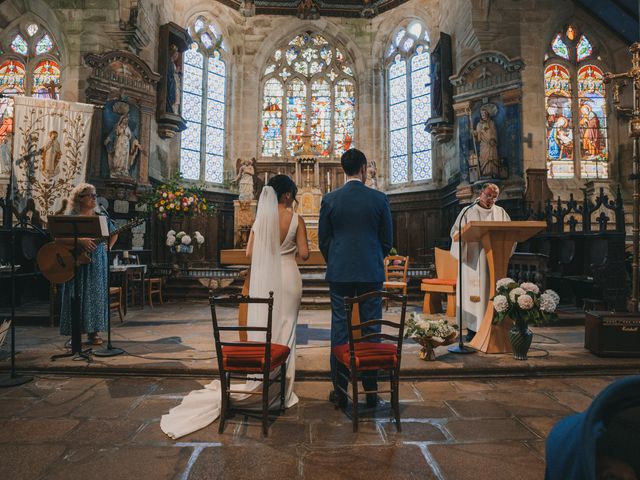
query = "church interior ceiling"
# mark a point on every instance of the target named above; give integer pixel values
(329, 8)
(620, 15)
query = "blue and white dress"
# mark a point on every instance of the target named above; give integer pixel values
(94, 298)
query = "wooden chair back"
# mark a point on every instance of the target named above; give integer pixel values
(396, 268)
(446, 265)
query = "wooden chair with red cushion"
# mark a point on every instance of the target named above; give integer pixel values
(373, 351)
(445, 283)
(240, 360)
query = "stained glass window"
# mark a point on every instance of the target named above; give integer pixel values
(584, 48)
(44, 45)
(310, 88)
(560, 48)
(37, 72)
(575, 90)
(19, 45)
(46, 76)
(204, 96)
(409, 107)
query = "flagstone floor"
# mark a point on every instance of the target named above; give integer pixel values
(81, 427)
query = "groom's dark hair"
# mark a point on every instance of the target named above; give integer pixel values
(352, 161)
(283, 184)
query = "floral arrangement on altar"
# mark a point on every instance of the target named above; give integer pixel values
(430, 334)
(182, 243)
(524, 303)
(175, 199)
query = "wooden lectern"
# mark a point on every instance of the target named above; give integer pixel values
(497, 239)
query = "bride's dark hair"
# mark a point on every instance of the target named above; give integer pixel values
(283, 184)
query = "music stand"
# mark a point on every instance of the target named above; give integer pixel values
(75, 227)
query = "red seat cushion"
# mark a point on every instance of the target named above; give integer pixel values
(251, 359)
(438, 281)
(369, 356)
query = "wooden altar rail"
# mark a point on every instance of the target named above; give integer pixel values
(238, 257)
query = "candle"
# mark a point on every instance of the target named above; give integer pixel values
(328, 180)
(265, 178)
(125, 254)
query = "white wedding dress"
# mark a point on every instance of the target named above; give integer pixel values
(201, 407)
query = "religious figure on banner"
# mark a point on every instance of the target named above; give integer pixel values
(245, 179)
(51, 154)
(372, 175)
(590, 126)
(174, 80)
(122, 145)
(475, 269)
(487, 134)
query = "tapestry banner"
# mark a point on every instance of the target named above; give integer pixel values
(51, 146)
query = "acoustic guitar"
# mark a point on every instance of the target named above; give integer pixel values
(55, 259)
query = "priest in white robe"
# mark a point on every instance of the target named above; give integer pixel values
(475, 270)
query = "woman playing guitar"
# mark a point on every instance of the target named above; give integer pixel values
(92, 277)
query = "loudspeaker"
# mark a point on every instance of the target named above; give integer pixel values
(611, 334)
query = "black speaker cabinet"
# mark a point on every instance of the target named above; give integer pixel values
(610, 334)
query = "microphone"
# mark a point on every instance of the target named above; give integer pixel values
(104, 211)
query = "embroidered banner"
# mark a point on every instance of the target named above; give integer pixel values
(50, 151)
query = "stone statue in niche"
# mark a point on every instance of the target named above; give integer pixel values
(486, 134)
(372, 175)
(174, 80)
(122, 146)
(307, 9)
(245, 179)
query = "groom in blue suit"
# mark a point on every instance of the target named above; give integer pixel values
(355, 233)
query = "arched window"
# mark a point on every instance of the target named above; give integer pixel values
(308, 83)
(204, 74)
(575, 107)
(29, 62)
(409, 104)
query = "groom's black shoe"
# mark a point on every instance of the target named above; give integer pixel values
(470, 335)
(374, 402)
(338, 399)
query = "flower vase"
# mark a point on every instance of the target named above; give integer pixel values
(521, 339)
(427, 353)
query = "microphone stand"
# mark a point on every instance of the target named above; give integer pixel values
(109, 351)
(461, 348)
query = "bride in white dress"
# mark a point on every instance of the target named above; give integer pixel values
(278, 238)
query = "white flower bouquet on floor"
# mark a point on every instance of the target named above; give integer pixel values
(430, 334)
(524, 303)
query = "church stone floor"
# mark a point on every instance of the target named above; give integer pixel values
(176, 339)
(85, 427)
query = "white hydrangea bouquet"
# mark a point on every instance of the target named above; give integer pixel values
(430, 334)
(182, 243)
(524, 303)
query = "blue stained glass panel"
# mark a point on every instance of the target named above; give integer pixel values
(215, 114)
(192, 79)
(397, 90)
(420, 83)
(422, 167)
(215, 87)
(213, 171)
(399, 169)
(192, 107)
(272, 118)
(217, 66)
(191, 136)
(215, 141)
(321, 117)
(397, 68)
(584, 48)
(44, 45)
(398, 142)
(345, 114)
(559, 47)
(19, 45)
(398, 115)
(190, 164)
(421, 138)
(193, 57)
(420, 109)
(296, 113)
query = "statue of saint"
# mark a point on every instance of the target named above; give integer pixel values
(372, 175)
(487, 134)
(246, 171)
(174, 80)
(122, 146)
